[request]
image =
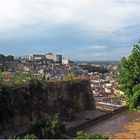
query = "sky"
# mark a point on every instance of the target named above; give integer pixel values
(78, 29)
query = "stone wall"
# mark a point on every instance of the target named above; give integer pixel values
(77, 90)
(29, 102)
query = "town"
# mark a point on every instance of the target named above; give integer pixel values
(81, 93)
(104, 86)
(49, 66)
(69, 69)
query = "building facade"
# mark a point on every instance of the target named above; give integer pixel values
(36, 57)
(65, 61)
(54, 57)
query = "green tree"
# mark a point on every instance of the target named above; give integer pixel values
(129, 77)
(9, 58)
(2, 59)
(71, 75)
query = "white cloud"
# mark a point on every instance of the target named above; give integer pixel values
(94, 47)
(115, 54)
(97, 22)
(93, 15)
(98, 47)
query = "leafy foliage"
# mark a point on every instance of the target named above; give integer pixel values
(6, 58)
(10, 58)
(48, 128)
(13, 138)
(89, 135)
(27, 137)
(129, 77)
(2, 57)
(30, 136)
(71, 75)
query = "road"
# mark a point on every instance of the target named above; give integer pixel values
(121, 125)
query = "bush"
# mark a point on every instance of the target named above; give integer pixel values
(27, 137)
(50, 127)
(89, 135)
(13, 138)
(30, 136)
(71, 75)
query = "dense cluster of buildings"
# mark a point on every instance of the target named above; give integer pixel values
(54, 67)
(49, 66)
(46, 57)
(105, 88)
(49, 58)
(103, 84)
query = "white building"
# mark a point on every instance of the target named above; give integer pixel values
(54, 57)
(49, 57)
(35, 57)
(108, 88)
(65, 61)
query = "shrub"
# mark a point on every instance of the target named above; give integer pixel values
(13, 138)
(27, 137)
(71, 75)
(89, 135)
(50, 127)
(30, 136)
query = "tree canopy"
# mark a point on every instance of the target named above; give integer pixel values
(10, 58)
(71, 75)
(2, 57)
(129, 77)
